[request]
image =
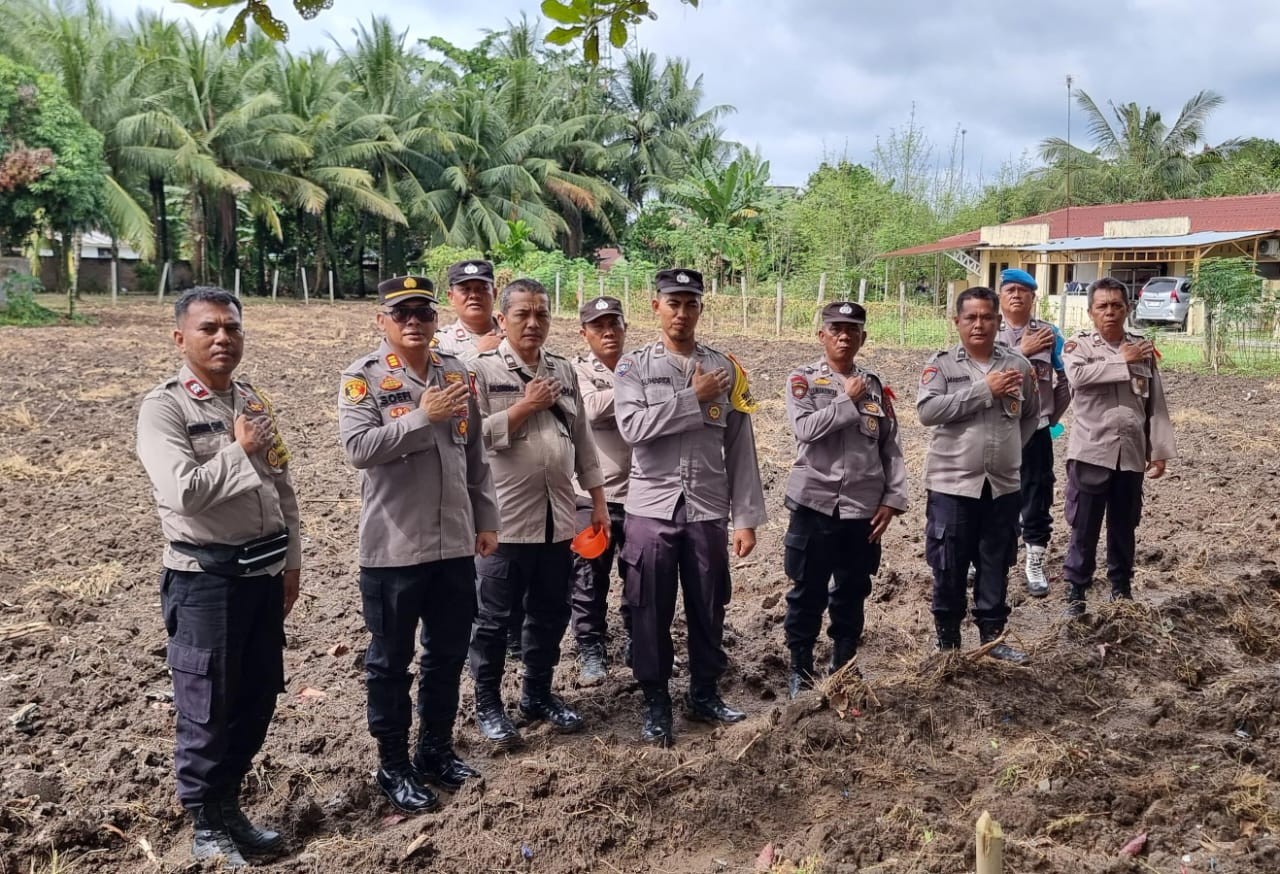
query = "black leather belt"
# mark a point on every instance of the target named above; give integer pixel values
(237, 560)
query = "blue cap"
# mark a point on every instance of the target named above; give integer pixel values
(1021, 277)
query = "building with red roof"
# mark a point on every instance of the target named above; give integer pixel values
(1130, 241)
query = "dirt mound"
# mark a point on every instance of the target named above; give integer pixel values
(1155, 717)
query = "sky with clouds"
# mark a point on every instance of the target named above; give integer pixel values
(815, 78)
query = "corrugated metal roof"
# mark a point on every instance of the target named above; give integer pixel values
(1239, 214)
(1080, 244)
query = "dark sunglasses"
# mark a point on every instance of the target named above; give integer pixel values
(402, 315)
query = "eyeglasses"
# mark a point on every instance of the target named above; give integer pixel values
(402, 315)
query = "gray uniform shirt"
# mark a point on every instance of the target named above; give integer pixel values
(207, 490)
(425, 487)
(703, 452)
(1121, 420)
(535, 464)
(974, 437)
(456, 340)
(1055, 394)
(595, 381)
(848, 454)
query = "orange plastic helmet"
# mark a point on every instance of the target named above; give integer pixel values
(590, 543)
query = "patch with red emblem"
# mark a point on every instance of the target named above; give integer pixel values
(354, 390)
(390, 383)
(1070, 347)
(928, 375)
(799, 386)
(196, 389)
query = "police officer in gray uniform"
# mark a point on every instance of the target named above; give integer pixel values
(693, 467)
(604, 328)
(981, 403)
(1120, 430)
(847, 483)
(471, 296)
(538, 438)
(1040, 343)
(410, 425)
(219, 471)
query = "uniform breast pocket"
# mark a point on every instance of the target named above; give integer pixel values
(872, 418)
(1140, 380)
(206, 446)
(716, 413)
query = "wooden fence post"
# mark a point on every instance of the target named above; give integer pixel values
(626, 297)
(601, 285)
(822, 292)
(902, 314)
(777, 313)
(237, 288)
(862, 290)
(579, 288)
(715, 285)
(330, 286)
(990, 845)
(275, 281)
(164, 281)
(557, 292)
(306, 292)
(115, 279)
(744, 303)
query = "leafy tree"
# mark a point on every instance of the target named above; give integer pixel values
(1231, 290)
(51, 167)
(1136, 154)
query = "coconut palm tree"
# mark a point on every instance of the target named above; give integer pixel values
(660, 118)
(1135, 154)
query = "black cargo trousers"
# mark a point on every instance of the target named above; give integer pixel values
(226, 641)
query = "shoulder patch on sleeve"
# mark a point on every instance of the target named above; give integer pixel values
(799, 386)
(354, 390)
(928, 375)
(1069, 346)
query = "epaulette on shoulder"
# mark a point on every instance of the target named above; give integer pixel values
(939, 355)
(492, 353)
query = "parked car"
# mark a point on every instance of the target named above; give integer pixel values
(1164, 300)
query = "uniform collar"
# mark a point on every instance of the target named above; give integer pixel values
(191, 384)
(391, 360)
(515, 362)
(961, 355)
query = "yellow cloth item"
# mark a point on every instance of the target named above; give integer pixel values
(740, 394)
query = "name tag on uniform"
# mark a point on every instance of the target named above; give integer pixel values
(197, 428)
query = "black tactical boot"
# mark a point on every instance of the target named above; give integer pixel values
(842, 651)
(493, 721)
(251, 839)
(657, 728)
(1075, 601)
(212, 840)
(591, 664)
(1001, 651)
(704, 704)
(397, 779)
(948, 634)
(1121, 592)
(537, 702)
(437, 763)
(801, 670)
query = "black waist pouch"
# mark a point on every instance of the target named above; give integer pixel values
(236, 561)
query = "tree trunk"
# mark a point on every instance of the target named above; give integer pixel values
(228, 238)
(198, 238)
(156, 185)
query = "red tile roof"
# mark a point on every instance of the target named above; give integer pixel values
(1254, 212)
